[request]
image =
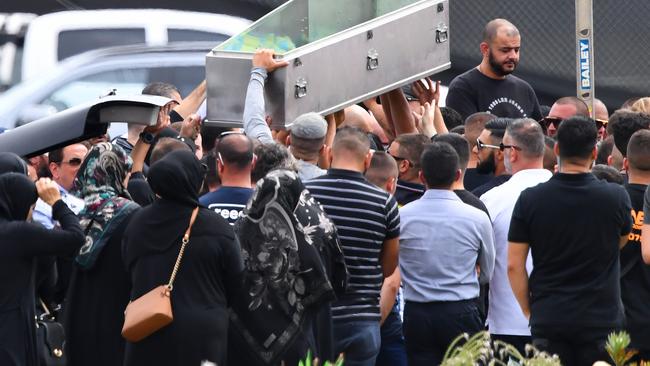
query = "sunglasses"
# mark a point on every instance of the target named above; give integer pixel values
(480, 145)
(547, 121)
(555, 121)
(72, 162)
(601, 123)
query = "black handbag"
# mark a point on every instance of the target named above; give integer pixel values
(50, 339)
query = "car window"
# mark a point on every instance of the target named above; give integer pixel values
(124, 81)
(182, 35)
(73, 42)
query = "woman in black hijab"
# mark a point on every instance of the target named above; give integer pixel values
(209, 273)
(21, 243)
(10, 162)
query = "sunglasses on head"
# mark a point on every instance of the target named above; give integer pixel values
(73, 162)
(501, 147)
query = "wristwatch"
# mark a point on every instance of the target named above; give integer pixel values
(147, 137)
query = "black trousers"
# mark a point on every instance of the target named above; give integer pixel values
(576, 346)
(429, 328)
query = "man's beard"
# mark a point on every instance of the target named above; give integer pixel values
(487, 166)
(497, 67)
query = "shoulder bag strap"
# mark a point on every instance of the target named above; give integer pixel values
(186, 239)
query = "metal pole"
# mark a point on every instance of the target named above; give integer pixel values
(585, 52)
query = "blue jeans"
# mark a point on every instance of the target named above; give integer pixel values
(359, 341)
(392, 351)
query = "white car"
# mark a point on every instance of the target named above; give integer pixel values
(52, 38)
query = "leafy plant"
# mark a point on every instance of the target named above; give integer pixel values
(616, 346)
(480, 349)
(309, 361)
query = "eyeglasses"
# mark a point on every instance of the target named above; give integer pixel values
(398, 159)
(547, 121)
(72, 162)
(480, 145)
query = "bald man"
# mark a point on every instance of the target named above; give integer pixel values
(490, 87)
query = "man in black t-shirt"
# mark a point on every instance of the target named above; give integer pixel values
(489, 87)
(635, 275)
(574, 225)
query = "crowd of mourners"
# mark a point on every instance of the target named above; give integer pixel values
(382, 231)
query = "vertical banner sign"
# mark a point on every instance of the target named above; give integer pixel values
(585, 52)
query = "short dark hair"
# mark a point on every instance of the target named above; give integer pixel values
(164, 146)
(56, 156)
(605, 150)
(451, 117)
(581, 107)
(460, 145)
(382, 167)
(607, 173)
(235, 150)
(474, 124)
(160, 89)
(528, 135)
(638, 150)
(624, 124)
(411, 146)
(352, 140)
(271, 157)
(576, 137)
(439, 163)
(458, 129)
(497, 126)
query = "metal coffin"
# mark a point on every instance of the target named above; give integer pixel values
(340, 52)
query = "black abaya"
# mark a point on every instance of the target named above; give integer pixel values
(209, 273)
(20, 244)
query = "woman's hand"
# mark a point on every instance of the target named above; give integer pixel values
(48, 191)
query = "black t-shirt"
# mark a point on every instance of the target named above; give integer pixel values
(573, 224)
(635, 275)
(511, 97)
(473, 179)
(407, 192)
(494, 182)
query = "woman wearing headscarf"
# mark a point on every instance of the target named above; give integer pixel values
(210, 270)
(21, 243)
(10, 162)
(100, 286)
(293, 268)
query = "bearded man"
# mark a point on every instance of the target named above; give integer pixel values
(490, 87)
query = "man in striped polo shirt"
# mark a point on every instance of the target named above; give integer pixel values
(367, 220)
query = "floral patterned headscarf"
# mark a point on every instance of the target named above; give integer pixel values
(284, 235)
(100, 183)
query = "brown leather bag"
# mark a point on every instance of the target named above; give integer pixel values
(153, 310)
